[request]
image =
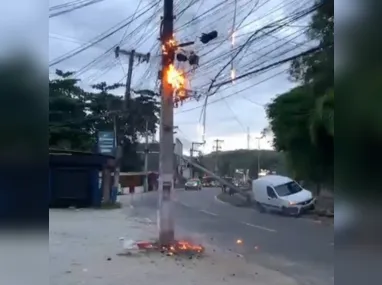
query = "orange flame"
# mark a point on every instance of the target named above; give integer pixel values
(171, 44)
(184, 245)
(175, 78)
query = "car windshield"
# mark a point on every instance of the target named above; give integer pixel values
(288, 189)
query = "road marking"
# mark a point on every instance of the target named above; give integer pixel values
(208, 213)
(259, 227)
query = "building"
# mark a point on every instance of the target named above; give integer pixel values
(153, 158)
(74, 178)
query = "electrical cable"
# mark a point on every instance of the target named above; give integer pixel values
(65, 5)
(85, 4)
(308, 52)
(235, 93)
(133, 17)
(99, 38)
(111, 49)
(309, 11)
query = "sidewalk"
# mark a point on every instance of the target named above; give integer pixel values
(84, 247)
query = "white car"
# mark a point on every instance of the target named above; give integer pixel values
(281, 194)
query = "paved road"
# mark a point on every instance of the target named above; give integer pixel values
(298, 247)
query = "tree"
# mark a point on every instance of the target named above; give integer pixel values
(244, 159)
(130, 124)
(318, 68)
(225, 168)
(68, 126)
(302, 120)
(76, 116)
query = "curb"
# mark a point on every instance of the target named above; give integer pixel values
(222, 202)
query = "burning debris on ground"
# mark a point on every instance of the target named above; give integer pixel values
(177, 248)
(180, 248)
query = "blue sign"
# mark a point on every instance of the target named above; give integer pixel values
(106, 142)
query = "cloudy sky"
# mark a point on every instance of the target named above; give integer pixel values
(235, 108)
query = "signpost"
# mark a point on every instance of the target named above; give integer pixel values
(106, 142)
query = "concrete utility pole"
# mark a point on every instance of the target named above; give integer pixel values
(248, 139)
(166, 156)
(147, 150)
(141, 58)
(192, 150)
(258, 155)
(217, 147)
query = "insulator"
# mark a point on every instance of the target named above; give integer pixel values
(193, 59)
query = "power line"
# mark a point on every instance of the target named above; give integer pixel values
(308, 52)
(133, 17)
(235, 93)
(65, 5)
(99, 38)
(76, 7)
(203, 114)
(305, 13)
(111, 49)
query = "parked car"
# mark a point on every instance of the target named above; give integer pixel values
(281, 194)
(193, 184)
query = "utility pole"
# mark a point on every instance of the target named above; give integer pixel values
(147, 150)
(217, 148)
(192, 150)
(258, 155)
(166, 156)
(141, 58)
(248, 139)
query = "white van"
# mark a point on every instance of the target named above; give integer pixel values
(282, 194)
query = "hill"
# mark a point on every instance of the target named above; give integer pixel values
(228, 161)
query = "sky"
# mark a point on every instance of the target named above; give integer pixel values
(236, 109)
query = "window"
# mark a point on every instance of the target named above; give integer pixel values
(271, 193)
(288, 189)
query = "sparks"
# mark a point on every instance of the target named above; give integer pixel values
(233, 75)
(171, 44)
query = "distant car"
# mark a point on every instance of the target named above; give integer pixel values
(193, 184)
